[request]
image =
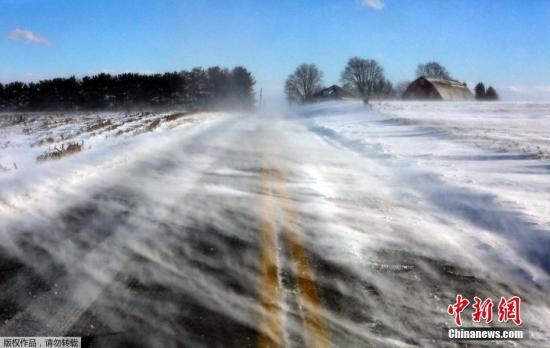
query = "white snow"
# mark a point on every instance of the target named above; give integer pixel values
(23, 179)
(414, 201)
(463, 182)
(432, 156)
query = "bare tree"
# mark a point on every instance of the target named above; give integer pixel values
(383, 89)
(401, 88)
(301, 85)
(365, 75)
(433, 69)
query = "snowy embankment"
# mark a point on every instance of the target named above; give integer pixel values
(425, 212)
(33, 147)
(153, 218)
(498, 148)
(503, 126)
(431, 186)
(435, 156)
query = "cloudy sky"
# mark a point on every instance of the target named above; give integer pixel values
(505, 43)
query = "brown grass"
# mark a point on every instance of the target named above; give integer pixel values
(113, 127)
(175, 116)
(27, 130)
(151, 126)
(57, 153)
(99, 125)
(11, 120)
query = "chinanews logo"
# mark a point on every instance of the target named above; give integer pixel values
(508, 312)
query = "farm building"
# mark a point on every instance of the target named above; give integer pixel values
(437, 89)
(333, 92)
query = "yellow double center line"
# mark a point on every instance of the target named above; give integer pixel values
(271, 331)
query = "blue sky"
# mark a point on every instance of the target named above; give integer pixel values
(505, 43)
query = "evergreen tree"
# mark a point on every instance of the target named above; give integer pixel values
(242, 86)
(214, 86)
(480, 91)
(491, 94)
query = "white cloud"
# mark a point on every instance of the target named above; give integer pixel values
(519, 92)
(29, 37)
(525, 92)
(375, 4)
(529, 89)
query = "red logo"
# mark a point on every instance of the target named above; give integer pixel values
(457, 308)
(507, 309)
(483, 310)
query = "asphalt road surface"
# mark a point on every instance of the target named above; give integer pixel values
(247, 231)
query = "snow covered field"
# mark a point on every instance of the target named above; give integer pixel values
(483, 163)
(152, 228)
(462, 182)
(514, 127)
(106, 140)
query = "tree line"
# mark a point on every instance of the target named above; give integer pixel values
(485, 94)
(214, 86)
(362, 77)
(365, 79)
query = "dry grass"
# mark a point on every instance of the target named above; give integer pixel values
(27, 130)
(48, 140)
(114, 126)
(57, 153)
(151, 126)
(11, 120)
(175, 116)
(99, 125)
(54, 121)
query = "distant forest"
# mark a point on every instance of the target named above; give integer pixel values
(214, 86)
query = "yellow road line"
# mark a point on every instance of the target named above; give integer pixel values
(271, 332)
(313, 317)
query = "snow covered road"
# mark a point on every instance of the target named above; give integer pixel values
(334, 225)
